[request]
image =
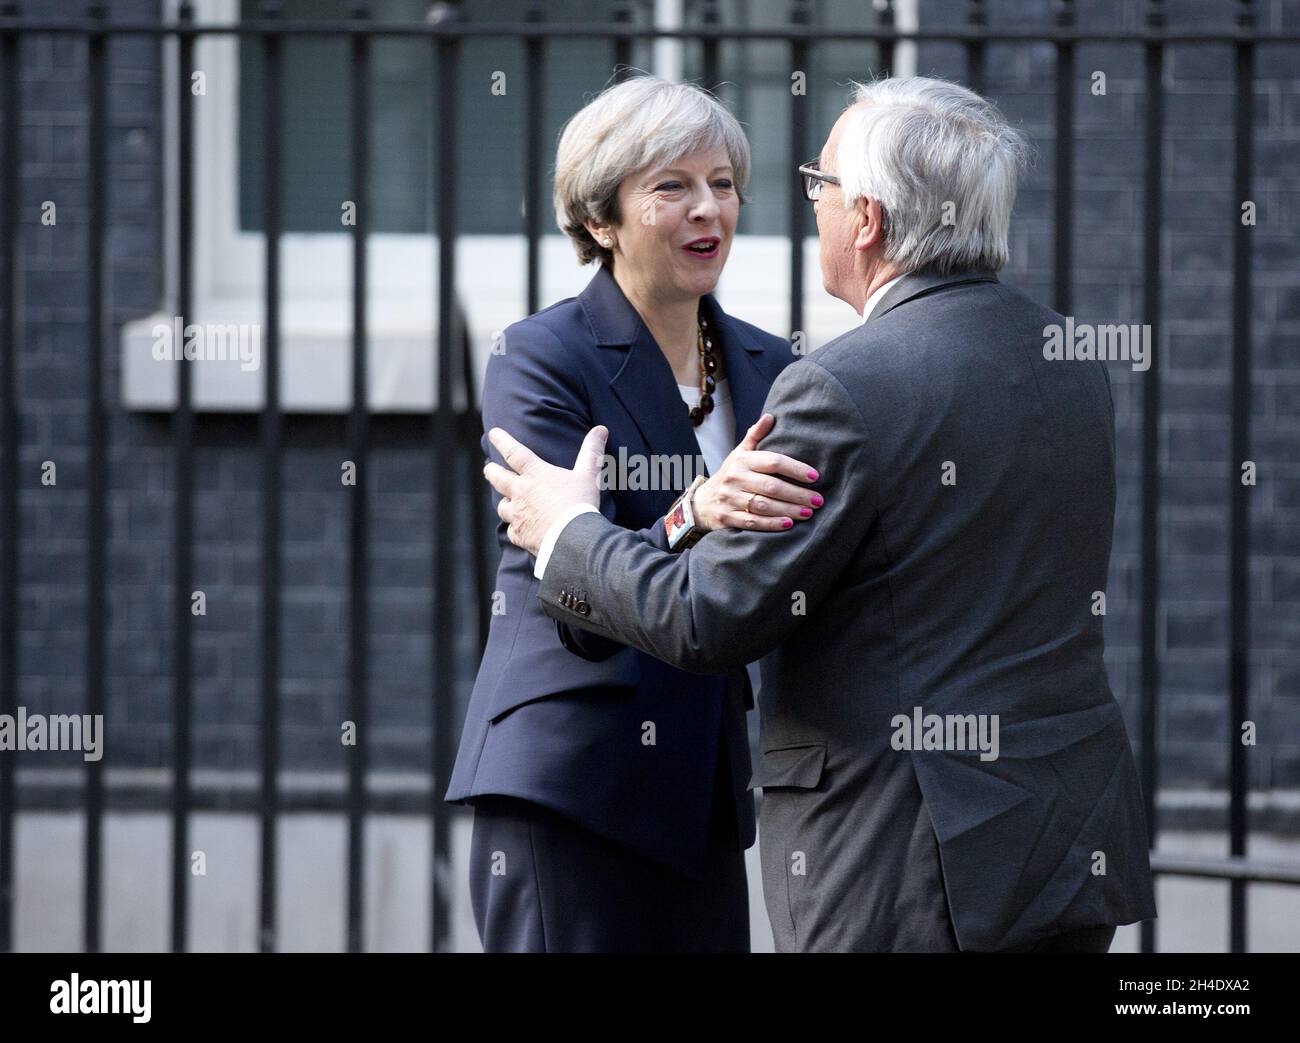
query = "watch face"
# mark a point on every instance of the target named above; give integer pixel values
(678, 518)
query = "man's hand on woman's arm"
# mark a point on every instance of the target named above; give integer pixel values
(746, 493)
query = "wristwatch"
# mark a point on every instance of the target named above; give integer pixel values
(680, 523)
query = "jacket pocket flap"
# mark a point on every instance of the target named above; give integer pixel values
(554, 669)
(799, 767)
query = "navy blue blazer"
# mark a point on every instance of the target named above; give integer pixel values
(559, 716)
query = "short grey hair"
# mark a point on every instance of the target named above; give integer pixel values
(642, 122)
(943, 164)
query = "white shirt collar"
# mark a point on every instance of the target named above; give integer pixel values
(874, 299)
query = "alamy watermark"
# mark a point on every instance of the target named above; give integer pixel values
(1084, 342)
(72, 995)
(37, 731)
(208, 342)
(952, 731)
(654, 472)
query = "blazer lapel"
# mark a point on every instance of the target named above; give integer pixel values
(644, 383)
(638, 373)
(646, 387)
(748, 383)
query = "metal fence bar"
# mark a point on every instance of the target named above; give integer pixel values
(709, 21)
(271, 444)
(1238, 871)
(885, 11)
(976, 19)
(476, 490)
(623, 30)
(446, 52)
(100, 334)
(1239, 539)
(359, 522)
(11, 332)
(182, 439)
(623, 17)
(1153, 218)
(1064, 183)
(534, 116)
(800, 15)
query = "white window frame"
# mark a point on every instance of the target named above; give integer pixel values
(316, 270)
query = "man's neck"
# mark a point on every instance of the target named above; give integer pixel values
(876, 279)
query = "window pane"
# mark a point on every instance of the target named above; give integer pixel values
(317, 111)
(757, 85)
(403, 113)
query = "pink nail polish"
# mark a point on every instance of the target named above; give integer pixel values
(806, 511)
(817, 500)
(812, 475)
(786, 522)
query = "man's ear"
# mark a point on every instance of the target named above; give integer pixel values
(866, 213)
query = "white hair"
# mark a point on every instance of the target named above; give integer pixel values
(643, 122)
(943, 164)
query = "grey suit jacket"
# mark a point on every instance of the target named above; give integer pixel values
(970, 499)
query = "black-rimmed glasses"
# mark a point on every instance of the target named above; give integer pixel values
(813, 178)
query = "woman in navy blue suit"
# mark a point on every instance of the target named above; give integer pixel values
(610, 790)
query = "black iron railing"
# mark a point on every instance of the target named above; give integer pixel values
(454, 436)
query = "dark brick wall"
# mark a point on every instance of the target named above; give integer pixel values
(1192, 356)
(52, 388)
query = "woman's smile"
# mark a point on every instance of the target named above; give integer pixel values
(705, 248)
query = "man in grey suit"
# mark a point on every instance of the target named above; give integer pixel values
(943, 764)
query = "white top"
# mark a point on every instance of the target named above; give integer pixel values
(874, 299)
(717, 434)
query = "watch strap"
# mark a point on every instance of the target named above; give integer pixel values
(680, 524)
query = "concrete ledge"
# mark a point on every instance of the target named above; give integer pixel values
(1275, 812)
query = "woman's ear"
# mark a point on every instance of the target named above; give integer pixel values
(603, 234)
